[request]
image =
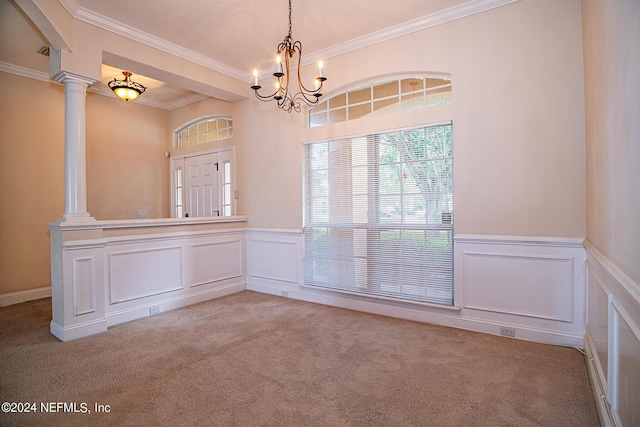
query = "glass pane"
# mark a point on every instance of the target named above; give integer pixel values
(192, 130)
(178, 196)
(192, 141)
(360, 181)
(411, 101)
(179, 177)
(211, 136)
(227, 194)
(438, 98)
(360, 209)
(319, 107)
(359, 111)
(211, 125)
(386, 106)
(222, 134)
(222, 123)
(230, 132)
(390, 179)
(318, 156)
(227, 211)
(360, 95)
(320, 209)
(202, 138)
(202, 127)
(227, 172)
(318, 119)
(320, 183)
(390, 209)
(437, 82)
(338, 101)
(385, 89)
(336, 116)
(411, 85)
(179, 212)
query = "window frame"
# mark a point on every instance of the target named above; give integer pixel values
(333, 104)
(373, 225)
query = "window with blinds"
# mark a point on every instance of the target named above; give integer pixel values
(379, 214)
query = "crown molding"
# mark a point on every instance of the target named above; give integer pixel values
(468, 8)
(26, 72)
(132, 33)
(453, 13)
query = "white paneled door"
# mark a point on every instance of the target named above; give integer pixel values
(201, 185)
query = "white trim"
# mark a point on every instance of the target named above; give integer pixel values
(384, 298)
(26, 72)
(569, 242)
(627, 283)
(286, 231)
(138, 223)
(18, 297)
(135, 34)
(437, 316)
(453, 13)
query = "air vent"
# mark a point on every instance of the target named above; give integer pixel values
(44, 50)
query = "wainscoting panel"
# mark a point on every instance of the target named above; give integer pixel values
(84, 285)
(274, 257)
(613, 340)
(531, 287)
(136, 272)
(141, 273)
(215, 261)
(523, 285)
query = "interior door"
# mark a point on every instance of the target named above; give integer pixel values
(201, 185)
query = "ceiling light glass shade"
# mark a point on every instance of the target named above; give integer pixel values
(126, 89)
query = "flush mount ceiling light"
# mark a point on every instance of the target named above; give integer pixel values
(286, 101)
(126, 89)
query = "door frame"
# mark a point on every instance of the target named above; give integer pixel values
(225, 155)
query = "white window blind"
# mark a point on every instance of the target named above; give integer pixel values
(379, 214)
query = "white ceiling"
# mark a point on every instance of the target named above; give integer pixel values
(231, 36)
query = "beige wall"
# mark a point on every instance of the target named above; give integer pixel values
(32, 164)
(612, 88)
(518, 113)
(126, 167)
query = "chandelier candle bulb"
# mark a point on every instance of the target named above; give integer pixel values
(320, 71)
(255, 77)
(278, 72)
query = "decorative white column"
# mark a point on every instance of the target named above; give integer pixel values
(75, 142)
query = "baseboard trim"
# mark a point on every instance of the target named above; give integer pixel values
(434, 316)
(122, 316)
(77, 331)
(24, 296)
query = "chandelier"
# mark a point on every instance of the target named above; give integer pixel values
(282, 95)
(126, 89)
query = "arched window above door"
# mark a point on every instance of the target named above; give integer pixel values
(208, 129)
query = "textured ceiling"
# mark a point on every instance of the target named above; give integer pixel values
(244, 34)
(237, 35)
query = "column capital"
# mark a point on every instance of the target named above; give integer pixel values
(65, 76)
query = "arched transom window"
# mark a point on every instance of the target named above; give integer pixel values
(209, 129)
(381, 97)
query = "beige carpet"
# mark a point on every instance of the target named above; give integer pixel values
(251, 359)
